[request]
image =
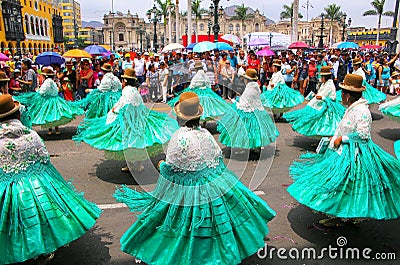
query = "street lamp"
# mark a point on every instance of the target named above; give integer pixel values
(140, 31)
(154, 16)
(217, 12)
(17, 19)
(321, 36)
(270, 39)
(345, 25)
(209, 29)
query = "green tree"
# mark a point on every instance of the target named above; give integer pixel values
(287, 13)
(197, 11)
(378, 11)
(242, 15)
(165, 7)
(333, 13)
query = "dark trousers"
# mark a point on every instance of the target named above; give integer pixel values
(81, 92)
(141, 79)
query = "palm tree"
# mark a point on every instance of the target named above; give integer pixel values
(333, 13)
(242, 15)
(165, 7)
(378, 11)
(197, 11)
(287, 13)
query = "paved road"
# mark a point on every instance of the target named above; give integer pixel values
(293, 227)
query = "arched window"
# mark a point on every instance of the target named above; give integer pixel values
(27, 27)
(121, 37)
(32, 26)
(257, 27)
(237, 27)
(41, 27)
(45, 28)
(230, 27)
(201, 26)
(37, 26)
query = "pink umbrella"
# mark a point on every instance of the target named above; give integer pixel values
(3, 57)
(371, 47)
(265, 52)
(298, 45)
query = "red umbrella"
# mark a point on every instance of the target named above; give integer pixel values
(298, 45)
(371, 47)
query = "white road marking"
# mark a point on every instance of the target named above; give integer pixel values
(122, 205)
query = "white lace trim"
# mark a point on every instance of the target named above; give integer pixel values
(110, 83)
(20, 147)
(200, 80)
(48, 88)
(192, 150)
(250, 99)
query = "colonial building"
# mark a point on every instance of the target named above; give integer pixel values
(363, 36)
(92, 35)
(30, 26)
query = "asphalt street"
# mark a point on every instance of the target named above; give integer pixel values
(293, 227)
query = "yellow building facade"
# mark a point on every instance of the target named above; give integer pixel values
(38, 19)
(72, 19)
(362, 36)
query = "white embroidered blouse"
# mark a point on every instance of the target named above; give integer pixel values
(20, 147)
(355, 124)
(200, 80)
(110, 83)
(130, 95)
(276, 78)
(326, 90)
(250, 99)
(48, 88)
(192, 149)
(360, 72)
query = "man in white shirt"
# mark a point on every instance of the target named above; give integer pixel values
(140, 68)
(163, 74)
(335, 66)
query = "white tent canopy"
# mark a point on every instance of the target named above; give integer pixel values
(277, 38)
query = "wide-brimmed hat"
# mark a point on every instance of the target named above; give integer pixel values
(251, 74)
(356, 61)
(325, 70)
(65, 79)
(48, 71)
(198, 65)
(395, 73)
(106, 67)
(7, 105)
(188, 107)
(353, 82)
(277, 62)
(3, 77)
(129, 73)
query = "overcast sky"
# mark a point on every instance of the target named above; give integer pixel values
(95, 9)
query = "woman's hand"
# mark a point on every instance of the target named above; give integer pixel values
(337, 142)
(318, 97)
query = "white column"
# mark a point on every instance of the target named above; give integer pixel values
(169, 25)
(178, 25)
(189, 20)
(295, 29)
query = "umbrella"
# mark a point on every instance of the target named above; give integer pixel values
(76, 53)
(348, 45)
(335, 45)
(4, 57)
(191, 45)
(258, 42)
(223, 46)
(231, 38)
(278, 48)
(371, 47)
(204, 46)
(298, 45)
(95, 49)
(265, 52)
(49, 58)
(173, 46)
(108, 48)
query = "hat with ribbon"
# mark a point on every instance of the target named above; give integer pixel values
(7, 105)
(352, 82)
(106, 67)
(188, 107)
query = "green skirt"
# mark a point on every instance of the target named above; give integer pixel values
(361, 182)
(311, 122)
(199, 217)
(281, 99)
(371, 94)
(213, 105)
(40, 212)
(48, 111)
(392, 111)
(136, 134)
(98, 104)
(247, 130)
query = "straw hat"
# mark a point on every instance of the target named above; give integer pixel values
(395, 73)
(3, 77)
(129, 73)
(198, 66)
(277, 62)
(48, 71)
(106, 67)
(357, 61)
(188, 107)
(353, 82)
(325, 70)
(251, 74)
(7, 105)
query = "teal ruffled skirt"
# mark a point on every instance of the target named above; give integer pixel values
(136, 134)
(397, 148)
(392, 111)
(40, 213)
(213, 105)
(371, 94)
(247, 130)
(311, 122)
(98, 104)
(48, 111)
(201, 218)
(362, 182)
(281, 99)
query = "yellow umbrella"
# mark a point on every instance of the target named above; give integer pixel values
(76, 53)
(105, 47)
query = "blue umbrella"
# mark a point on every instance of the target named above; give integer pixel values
(95, 49)
(204, 46)
(49, 58)
(348, 45)
(223, 46)
(191, 45)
